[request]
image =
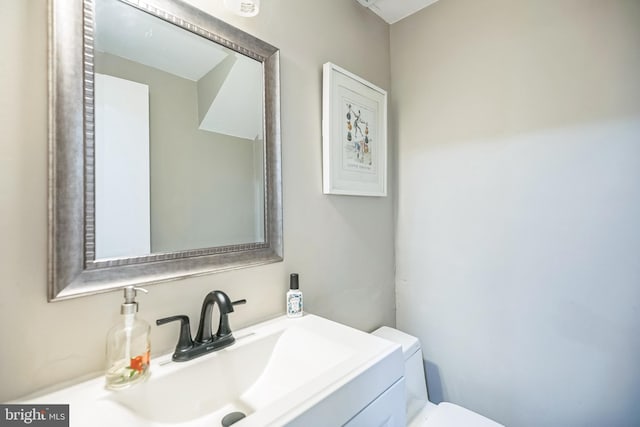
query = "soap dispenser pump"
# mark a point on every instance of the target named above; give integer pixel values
(128, 345)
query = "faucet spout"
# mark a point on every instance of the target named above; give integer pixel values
(225, 306)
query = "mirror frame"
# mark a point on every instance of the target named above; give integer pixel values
(73, 270)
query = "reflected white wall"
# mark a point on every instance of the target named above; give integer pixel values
(122, 216)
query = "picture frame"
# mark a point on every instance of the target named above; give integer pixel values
(354, 134)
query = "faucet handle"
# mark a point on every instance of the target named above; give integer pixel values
(239, 302)
(184, 340)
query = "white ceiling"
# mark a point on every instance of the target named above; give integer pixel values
(393, 11)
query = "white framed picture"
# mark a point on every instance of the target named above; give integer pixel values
(354, 134)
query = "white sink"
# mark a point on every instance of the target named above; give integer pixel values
(297, 372)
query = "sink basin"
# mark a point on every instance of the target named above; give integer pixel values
(306, 371)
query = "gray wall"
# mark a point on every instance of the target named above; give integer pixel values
(346, 266)
(518, 236)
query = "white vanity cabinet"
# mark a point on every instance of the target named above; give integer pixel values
(374, 397)
(388, 410)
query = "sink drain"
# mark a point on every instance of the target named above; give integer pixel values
(232, 418)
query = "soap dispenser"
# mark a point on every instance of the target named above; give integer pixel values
(128, 345)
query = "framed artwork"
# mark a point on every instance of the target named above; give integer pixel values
(354, 134)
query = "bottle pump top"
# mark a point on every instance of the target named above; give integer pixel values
(293, 281)
(130, 305)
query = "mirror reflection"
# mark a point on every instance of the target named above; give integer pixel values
(179, 138)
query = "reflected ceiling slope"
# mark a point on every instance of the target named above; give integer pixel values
(223, 78)
(129, 33)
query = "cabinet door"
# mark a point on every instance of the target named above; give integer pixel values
(388, 410)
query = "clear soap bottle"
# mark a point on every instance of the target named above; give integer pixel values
(294, 297)
(128, 345)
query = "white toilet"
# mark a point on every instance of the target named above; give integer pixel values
(421, 412)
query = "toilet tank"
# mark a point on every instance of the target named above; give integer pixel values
(414, 376)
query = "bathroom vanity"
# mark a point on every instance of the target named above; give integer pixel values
(306, 372)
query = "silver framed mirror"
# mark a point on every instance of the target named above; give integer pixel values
(217, 210)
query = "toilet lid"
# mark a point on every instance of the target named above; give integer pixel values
(450, 415)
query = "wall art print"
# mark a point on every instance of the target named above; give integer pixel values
(354, 134)
(356, 144)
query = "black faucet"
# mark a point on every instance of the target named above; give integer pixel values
(204, 342)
